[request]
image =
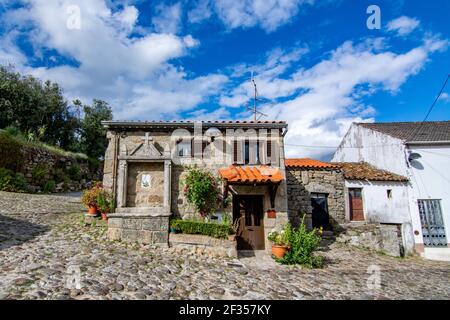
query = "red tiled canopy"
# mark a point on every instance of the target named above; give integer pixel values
(308, 163)
(262, 174)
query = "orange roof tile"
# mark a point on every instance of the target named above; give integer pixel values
(240, 174)
(309, 164)
(365, 171)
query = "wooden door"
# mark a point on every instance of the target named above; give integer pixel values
(356, 204)
(249, 210)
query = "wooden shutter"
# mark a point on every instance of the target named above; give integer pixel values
(235, 151)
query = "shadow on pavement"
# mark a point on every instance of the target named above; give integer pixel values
(14, 232)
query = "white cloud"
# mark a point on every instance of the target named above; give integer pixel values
(127, 18)
(267, 14)
(134, 74)
(403, 25)
(168, 18)
(321, 102)
(201, 12)
(445, 97)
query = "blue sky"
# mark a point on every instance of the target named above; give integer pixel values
(316, 63)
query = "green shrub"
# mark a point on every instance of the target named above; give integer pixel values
(49, 186)
(302, 244)
(74, 172)
(12, 182)
(40, 171)
(20, 182)
(60, 175)
(215, 230)
(13, 131)
(10, 152)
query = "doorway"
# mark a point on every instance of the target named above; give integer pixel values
(356, 204)
(320, 215)
(249, 211)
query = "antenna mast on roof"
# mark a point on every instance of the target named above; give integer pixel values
(255, 99)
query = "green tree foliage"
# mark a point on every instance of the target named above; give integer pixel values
(93, 140)
(37, 109)
(41, 113)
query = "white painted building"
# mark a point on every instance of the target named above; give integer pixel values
(420, 152)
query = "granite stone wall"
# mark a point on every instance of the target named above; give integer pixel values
(301, 182)
(39, 166)
(379, 237)
(143, 229)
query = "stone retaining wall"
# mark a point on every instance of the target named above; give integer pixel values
(143, 229)
(378, 237)
(203, 245)
(39, 165)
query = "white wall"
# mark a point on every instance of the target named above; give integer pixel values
(376, 204)
(430, 179)
(380, 150)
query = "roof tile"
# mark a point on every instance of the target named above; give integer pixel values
(308, 163)
(365, 171)
(239, 174)
(431, 131)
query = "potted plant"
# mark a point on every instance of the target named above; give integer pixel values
(280, 243)
(174, 226)
(105, 203)
(89, 199)
(271, 214)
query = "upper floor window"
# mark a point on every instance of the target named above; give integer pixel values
(252, 152)
(184, 148)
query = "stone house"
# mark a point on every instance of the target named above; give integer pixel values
(145, 163)
(315, 189)
(420, 152)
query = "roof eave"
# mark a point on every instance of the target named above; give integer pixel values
(427, 142)
(185, 124)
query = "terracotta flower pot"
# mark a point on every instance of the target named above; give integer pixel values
(279, 251)
(92, 210)
(232, 237)
(271, 214)
(104, 216)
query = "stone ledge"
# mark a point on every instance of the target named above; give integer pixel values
(143, 228)
(202, 245)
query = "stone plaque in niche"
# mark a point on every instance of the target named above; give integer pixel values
(146, 180)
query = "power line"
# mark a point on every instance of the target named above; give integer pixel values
(419, 127)
(437, 98)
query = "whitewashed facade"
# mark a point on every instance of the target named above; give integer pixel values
(420, 152)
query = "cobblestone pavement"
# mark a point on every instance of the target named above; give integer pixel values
(43, 239)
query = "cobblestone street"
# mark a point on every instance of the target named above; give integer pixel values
(42, 236)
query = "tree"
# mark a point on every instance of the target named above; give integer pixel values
(37, 109)
(93, 140)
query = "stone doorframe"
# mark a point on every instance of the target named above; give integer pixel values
(122, 178)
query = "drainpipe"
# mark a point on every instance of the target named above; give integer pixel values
(285, 131)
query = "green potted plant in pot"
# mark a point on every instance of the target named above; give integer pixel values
(174, 227)
(280, 243)
(89, 199)
(105, 203)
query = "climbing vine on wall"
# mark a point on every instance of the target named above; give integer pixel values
(201, 190)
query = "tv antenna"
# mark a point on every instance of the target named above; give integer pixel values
(256, 113)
